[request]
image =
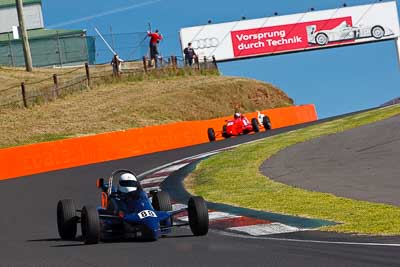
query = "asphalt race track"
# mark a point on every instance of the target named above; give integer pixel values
(362, 163)
(29, 232)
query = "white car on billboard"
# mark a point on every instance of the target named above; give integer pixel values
(346, 32)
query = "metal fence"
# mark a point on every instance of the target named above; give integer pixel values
(75, 79)
(129, 46)
(66, 50)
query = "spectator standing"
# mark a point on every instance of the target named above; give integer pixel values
(189, 54)
(116, 63)
(155, 38)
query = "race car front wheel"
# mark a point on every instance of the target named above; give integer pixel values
(321, 39)
(198, 216)
(377, 32)
(211, 134)
(266, 123)
(254, 123)
(66, 219)
(90, 224)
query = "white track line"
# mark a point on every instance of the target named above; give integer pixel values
(178, 206)
(173, 168)
(153, 180)
(266, 229)
(199, 156)
(214, 216)
(372, 244)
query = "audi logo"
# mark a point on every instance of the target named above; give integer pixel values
(205, 43)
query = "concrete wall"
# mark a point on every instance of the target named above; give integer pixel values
(68, 153)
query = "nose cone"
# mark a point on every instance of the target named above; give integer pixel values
(151, 228)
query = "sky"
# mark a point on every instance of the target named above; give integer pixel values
(337, 81)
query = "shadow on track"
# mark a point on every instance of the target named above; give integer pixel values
(113, 241)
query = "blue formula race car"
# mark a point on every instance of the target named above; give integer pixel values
(127, 211)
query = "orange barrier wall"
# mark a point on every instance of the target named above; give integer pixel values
(49, 156)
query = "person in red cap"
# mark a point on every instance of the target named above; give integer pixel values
(155, 38)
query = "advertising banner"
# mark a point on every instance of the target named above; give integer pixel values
(293, 33)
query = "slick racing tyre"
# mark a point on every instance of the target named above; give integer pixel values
(254, 123)
(211, 134)
(321, 39)
(66, 219)
(90, 224)
(224, 133)
(266, 123)
(161, 201)
(378, 32)
(198, 216)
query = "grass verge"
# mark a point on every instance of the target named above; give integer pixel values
(221, 179)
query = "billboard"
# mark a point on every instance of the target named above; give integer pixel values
(294, 33)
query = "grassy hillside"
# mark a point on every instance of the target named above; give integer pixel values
(124, 104)
(12, 77)
(39, 84)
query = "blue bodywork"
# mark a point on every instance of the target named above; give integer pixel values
(133, 216)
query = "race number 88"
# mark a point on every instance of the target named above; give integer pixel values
(147, 213)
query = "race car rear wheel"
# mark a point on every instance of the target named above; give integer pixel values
(198, 216)
(161, 201)
(266, 123)
(211, 134)
(321, 39)
(378, 32)
(90, 225)
(224, 132)
(66, 219)
(254, 123)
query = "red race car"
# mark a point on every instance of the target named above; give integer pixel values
(240, 125)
